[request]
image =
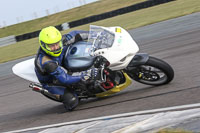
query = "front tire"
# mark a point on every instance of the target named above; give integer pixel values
(153, 72)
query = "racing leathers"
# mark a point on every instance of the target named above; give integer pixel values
(49, 70)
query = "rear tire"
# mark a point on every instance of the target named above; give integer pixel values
(153, 72)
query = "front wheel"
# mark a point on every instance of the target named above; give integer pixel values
(153, 72)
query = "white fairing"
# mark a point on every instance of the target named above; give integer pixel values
(122, 51)
(26, 70)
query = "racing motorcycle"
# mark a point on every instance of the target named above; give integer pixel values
(113, 52)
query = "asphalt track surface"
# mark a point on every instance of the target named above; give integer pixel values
(176, 41)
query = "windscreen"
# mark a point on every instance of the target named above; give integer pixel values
(100, 38)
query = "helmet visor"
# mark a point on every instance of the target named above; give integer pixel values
(55, 47)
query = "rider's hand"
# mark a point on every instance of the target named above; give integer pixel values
(89, 74)
(85, 76)
(68, 39)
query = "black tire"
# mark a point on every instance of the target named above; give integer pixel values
(163, 73)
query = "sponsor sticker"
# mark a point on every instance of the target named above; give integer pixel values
(119, 40)
(118, 30)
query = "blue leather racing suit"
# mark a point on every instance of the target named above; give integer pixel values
(49, 70)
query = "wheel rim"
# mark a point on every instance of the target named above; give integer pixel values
(151, 75)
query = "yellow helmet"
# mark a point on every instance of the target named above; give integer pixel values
(50, 36)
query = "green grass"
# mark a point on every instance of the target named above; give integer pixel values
(128, 21)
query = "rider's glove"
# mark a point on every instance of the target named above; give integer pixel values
(89, 74)
(85, 75)
(71, 39)
(68, 39)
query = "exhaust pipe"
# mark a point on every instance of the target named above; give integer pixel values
(39, 89)
(36, 88)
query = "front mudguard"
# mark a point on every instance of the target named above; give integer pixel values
(139, 59)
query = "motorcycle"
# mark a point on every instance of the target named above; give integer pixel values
(113, 52)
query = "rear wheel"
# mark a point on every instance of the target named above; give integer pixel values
(153, 72)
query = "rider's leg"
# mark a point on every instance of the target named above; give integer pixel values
(53, 89)
(69, 99)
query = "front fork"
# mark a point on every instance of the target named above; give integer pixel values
(138, 59)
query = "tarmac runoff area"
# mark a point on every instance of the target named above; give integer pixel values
(186, 117)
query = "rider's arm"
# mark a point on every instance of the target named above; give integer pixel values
(75, 36)
(58, 73)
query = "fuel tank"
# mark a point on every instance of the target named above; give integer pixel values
(78, 58)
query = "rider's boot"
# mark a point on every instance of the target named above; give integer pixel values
(70, 100)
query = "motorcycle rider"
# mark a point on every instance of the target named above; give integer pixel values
(49, 61)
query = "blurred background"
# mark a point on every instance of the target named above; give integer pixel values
(13, 12)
